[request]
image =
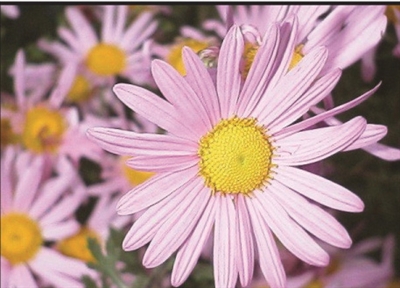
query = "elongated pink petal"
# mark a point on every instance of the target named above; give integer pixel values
(317, 92)
(179, 226)
(133, 35)
(6, 177)
(146, 227)
(291, 87)
(228, 73)
(19, 79)
(310, 216)
(384, 152)
(179, 93)
(188, 254)
(124, 142)
(154, 109)
(260, 72)
(153, 190)
(270, 261)
(372, 134)
(295, 239)
(200, 81)
(161, 164)
(60, 230)
(313, 145)
(107, 23)
(245, 251)
(82, 28)
(319, 189)
(321, 117)
(225, 270)
(27, 186)
(20, 276)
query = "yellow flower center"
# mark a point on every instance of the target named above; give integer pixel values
(43, 129)
(21, 237)
(235, 157)
(175, 55)
(106, 60)
(390, 13)
(297, 56)
(76, 246)
(8, 137)
(134, 177)
(250, 51)
(395, 283)
(80, 90)
(315, 284)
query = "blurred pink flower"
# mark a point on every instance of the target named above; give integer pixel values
(118, 52)
(34, 212)
(10, 11)
(227, 160)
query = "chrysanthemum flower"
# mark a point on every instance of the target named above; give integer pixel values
(34, 213)
(228, 161)
(43, 125)
(117, 52)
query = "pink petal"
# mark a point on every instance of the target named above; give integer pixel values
(245, 253)
(179, 93)
(147, 225)
(153, 190)
(228, 73)
(321, 117)
(225, 247)
(19, 79)
(124, 142)
(68, 36)
(372, 134)
(317, 92)
(82, 28)
(291, 87)
(60, 230)
(139, 30)
(292, 236)
(162, 164)
(63, 85)
(28, 184)
(179, 226)
(107, 23)
(310, 216)
(313, 145)
(21, 277)
(6, 177)
(270, 261)
(384, 152)
(319, 189)
(154, 109)
(200, 81)
(188, 254)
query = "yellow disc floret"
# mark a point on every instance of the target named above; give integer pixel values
(80, 90)
(134, 177)
(250, 51)
(297, 56)
(76, 246)
(235, 156)
(175, 55)
(21, 237)
(43, 129)
(106, 60)
(8, 137)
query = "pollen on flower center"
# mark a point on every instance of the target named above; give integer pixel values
(235, 157)
(175, 55)
(297, 56)
(106, 60)
(80, 90)
(21, 237)
(43, 129)
(134, 177)
(76, 245)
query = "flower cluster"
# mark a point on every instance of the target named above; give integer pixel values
(145, 147)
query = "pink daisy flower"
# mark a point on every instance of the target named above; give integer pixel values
(228, 161)
(118, 50)
(34, 212)
(43, 125)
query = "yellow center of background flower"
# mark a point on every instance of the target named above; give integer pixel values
(315, 284)
(175, 55)
(134, 177)
(80, 90)
(21, 237)
(43, 129)
(250, 51)
(297, 56)
(235, 157)
(8, 137)
(106, 60)
(76, 246)
(390, 13)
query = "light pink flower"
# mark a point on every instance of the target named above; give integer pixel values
(227, 161)
(11, 11)
(117, 51)
(46, 126)
(34, 212)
